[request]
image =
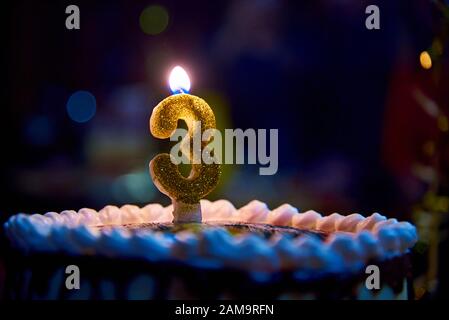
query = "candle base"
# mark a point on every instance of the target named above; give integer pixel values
(186, 212)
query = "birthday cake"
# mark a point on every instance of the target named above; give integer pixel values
(200, 249)
(139, 253)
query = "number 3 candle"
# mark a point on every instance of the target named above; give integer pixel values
(185, 192)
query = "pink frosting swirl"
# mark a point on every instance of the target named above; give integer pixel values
(328, 223)
(306, 220)
(349, 223)
(282, 216)
(255, 211)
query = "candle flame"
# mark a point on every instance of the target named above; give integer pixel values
(179, 80)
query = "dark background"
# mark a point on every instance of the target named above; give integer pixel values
(351, 104)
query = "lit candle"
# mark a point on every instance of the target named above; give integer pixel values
(185, 193)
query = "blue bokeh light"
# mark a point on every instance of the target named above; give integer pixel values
(81, 106)
(39, 131)
(134, 187)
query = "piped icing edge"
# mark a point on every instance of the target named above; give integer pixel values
(353, 239)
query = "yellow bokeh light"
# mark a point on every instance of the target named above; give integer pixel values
(429, 148)
(437, 47)
(443, 123)
(425, 59)
(154, 19)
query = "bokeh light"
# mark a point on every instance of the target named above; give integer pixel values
(81, 106)
(425, 60)
(133, 187)
(429, 148)
(437, 47)
(443, 123)
(154, 19)
(39, 131)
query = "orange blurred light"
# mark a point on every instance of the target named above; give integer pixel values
(443, 123)
(425, 60)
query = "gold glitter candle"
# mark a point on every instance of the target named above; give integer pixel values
(185, 192)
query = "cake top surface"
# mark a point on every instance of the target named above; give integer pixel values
(253, 237)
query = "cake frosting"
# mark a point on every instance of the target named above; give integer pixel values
(352, 240)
